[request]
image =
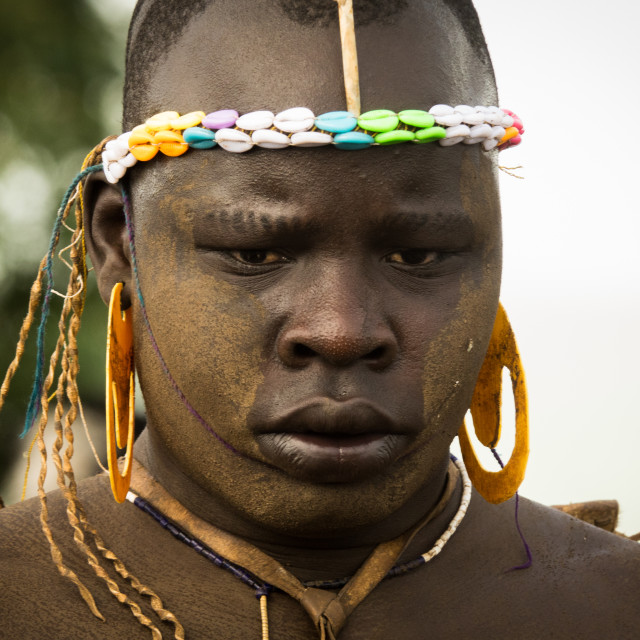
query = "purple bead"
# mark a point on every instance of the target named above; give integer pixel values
(223, 119)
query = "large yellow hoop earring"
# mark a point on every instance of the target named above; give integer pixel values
(496, 487)
(120, 393)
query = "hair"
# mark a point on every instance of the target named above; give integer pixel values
(63, 361)
(157, 23)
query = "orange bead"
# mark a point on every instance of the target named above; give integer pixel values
(511, 132)
(144, 152)
(171, 143)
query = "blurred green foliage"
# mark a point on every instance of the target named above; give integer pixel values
(62, 65)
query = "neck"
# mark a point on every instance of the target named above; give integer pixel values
(308, 557)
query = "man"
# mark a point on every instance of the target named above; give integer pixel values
(325, 315)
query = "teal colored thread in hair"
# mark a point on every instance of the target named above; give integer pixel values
(36, 392)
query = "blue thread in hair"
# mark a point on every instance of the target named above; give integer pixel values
(35, 405)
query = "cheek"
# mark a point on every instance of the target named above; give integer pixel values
(454, 358)
(209, 335)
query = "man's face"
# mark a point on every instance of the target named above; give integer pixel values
(325, 312)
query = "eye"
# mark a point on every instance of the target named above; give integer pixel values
(413, 257)
(258, 257)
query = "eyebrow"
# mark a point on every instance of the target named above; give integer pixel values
(263, 221)
(415, 218)
(410, 218)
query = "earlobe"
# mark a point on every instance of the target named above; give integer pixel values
(106, 236)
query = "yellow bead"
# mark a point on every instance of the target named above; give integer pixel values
(192, 119)
(140, 137)
(161, 121)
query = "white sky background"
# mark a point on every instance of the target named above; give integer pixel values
(571, 280)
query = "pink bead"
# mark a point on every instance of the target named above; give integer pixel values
(513, 142)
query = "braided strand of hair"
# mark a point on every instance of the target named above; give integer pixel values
(56, 554)
(65, 356)
(34, 301)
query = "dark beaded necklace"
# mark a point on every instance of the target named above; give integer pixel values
(263, 588)
(327, 609)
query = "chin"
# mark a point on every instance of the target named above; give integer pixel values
(286, 505)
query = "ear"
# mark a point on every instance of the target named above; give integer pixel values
(106, 236)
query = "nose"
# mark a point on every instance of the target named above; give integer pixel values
(338, 321)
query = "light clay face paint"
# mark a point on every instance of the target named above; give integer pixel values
(456, 354)
(199, 319)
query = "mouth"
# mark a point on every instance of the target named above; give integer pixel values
(332, 442)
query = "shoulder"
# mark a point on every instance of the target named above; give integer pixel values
(581, 578)
(565, 541)
(37, 601)
(34, 596)
(22, 538)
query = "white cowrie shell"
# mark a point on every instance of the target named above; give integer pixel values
(464, 109)
(507, 121)
(107, 174)
(311, 139)
(498, 132)
(461, 130)
(128, 161)
(294, 120)
(441, 110)
(270, 139)
(481, 131)
(111, 155)
(255, 120)
(121, 146)
(233, 140)
(494, 118)
(117, 170)
(490, 143)
(449, 142)
(451, 120)
(474, 118)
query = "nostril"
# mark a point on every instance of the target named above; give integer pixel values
(376, 354)
(302, 351)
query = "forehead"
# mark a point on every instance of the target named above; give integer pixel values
(450, 194)
(248, 56)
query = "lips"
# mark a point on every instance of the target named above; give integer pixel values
(332, 442)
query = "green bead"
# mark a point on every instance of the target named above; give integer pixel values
(395, 137)
(380, 120)
(431, 134)
(417, 118)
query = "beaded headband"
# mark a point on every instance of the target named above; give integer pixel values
(172, 134)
